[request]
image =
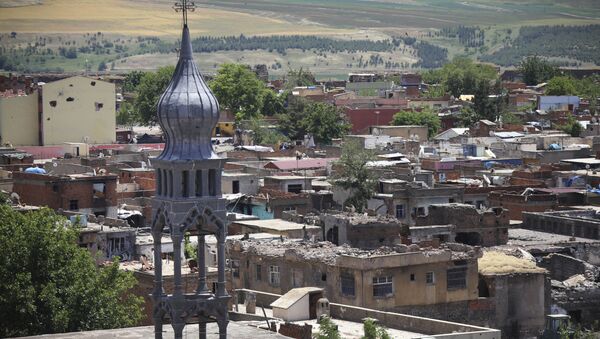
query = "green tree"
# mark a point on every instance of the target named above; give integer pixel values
(423, 118)
(560, 85)
(536, 70)
(272, 104)
(51, 285)
(327, 329)
(239, 90)
(132, 80)
(374, 331)
(151, 87)
(354, 174)
(264, 135)
(299, 77)
(461, 76)
(325, 122)
(467, 116)
(126, 115)
(572, 127)
(489, 101)
(511, 119)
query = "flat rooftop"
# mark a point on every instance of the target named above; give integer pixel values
(330, 253)
(240, 329)
(274, 224)
(524, 237)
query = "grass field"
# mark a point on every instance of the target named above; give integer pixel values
(131, 17)
(342, 19)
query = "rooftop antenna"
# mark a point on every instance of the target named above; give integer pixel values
(184, 6)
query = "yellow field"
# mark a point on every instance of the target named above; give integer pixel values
(129, 17)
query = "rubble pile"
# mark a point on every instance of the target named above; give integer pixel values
(328, 252)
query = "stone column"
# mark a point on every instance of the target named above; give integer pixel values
(221, 262)
(202, 289)
(158, 284)
(178, 289)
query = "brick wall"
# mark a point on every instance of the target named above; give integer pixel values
(296, 331)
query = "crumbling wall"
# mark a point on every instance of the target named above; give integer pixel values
(296, 331)
(562, 267)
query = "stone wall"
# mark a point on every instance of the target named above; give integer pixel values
(562, 267)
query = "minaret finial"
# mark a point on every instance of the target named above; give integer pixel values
(184, 6)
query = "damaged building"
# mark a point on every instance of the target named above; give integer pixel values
(476, 227)
(378, 279)
(361, 230)
(576, 223)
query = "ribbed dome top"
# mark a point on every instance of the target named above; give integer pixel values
(187, 111)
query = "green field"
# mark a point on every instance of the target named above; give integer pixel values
(123, 21)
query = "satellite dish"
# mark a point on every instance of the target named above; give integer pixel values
(55, 164)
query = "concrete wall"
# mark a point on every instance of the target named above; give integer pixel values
(19, 120)
(405, 291)
(520, 303)
(431, 327)
(72, 112)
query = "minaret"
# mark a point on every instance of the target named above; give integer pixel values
(188, 194)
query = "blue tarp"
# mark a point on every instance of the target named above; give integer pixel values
(35, 170)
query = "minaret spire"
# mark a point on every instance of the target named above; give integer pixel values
(184, 6)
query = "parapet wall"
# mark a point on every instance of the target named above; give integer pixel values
(431, 327)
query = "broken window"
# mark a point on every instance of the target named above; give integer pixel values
(274, 275)
(73, 205)
(347, 281)
(235, 268)
(294, 188)
(53, 103)
(99, 106)
(456, 278)
(383, 286)
(297, 278)
(400, 211)
(116, 245)
(430, 278)
(258, 272)
(70, 99)
(99, 190)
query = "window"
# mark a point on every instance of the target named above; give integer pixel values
(212, 182)
(429, 278)
(55, 188)
(235, 268)
(274, 275)
(185, 179)
(290, 208)
(412, 277)
(198, 183)
(116, 245)
(235, 186)
(73, 205)
(400, 211)
(382, 286)
(456, 278)
(297, 278)
(294, 188)
(99, 189)
(348, 288)
(258, 272)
